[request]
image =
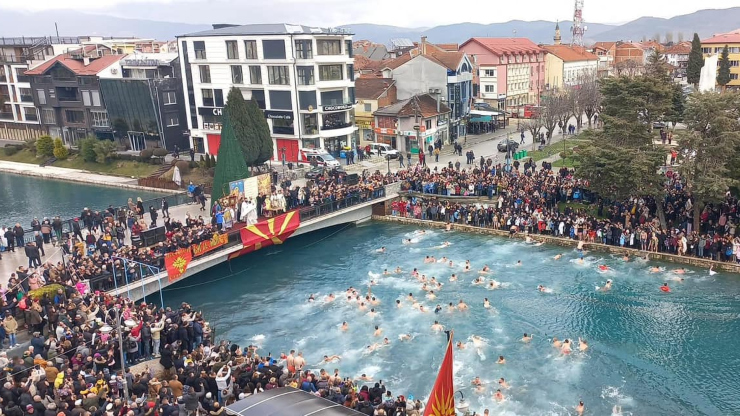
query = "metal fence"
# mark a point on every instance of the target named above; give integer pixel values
(315, 211)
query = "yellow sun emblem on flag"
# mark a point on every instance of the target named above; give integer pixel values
(215, 239)
(443, 406)
(180, 264)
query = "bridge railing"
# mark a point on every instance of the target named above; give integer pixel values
(315, 211)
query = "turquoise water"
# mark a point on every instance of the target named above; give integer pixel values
(26, 197)
(652, 353)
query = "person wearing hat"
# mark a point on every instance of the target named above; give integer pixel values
(30, 410)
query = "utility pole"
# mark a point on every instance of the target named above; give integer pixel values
(120, 348)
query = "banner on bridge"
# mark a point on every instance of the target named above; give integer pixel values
(266, 233)
(215, 242)
(177, 262)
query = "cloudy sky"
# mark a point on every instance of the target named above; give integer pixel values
(406, 13)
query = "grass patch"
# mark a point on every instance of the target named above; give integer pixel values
(568, 163)
(126, 168)
(23, 156)
(556, 148)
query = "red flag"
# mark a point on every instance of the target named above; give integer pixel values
(177, 263)
(442, 400)
(266, 233)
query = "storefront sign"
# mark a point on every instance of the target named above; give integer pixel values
(215, 242)
(278, 115)
(385, 131)
(210, 111)
(212, 126)
(362, 124)
(340, 107)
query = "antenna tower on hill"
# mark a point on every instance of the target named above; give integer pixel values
(578, 28)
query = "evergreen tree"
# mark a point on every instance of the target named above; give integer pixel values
(696, 61)
(723, 72)
(261, 132)
(242, 126)
(230, 165)
(657, 66)
(678, 105)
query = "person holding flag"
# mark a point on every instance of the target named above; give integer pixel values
(442, 399)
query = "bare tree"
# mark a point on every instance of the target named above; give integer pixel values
(628, 68)
(550, 114)
(680, 37)
(669, 37)
(534, 125)
(589, 95)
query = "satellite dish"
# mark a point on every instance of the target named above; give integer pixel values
(310, 108)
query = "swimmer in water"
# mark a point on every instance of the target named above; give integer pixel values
(415, 273)
(438, 309)
(665, 288)
(479, 280)
(679, 271)
(405, 337)
(374, 301)
(416, 304)
(446, 244)
(345, 326)
(498, 396)
(442, 260)
(526, 338)
(655, 270)
(501, 360)
(381, 250)
(462, 305)
(386, 272)
(476, 381)
(407, 241)
(427, 259)
(486, 304)
(331, 358)
(373, 347)
(398, 270)
(556, 342)
(311, 298)
(378, 331)
(485, 269)
(542, 288)
(431, 295)
(410, 296)
(372, 313)
(626, 257)
(582, 344)
(503, 383)
(365, 377)
(386, 341)
(450, 307)
(448, 227)
(493, 284)
(603, 268)
(518, 263)
(711, 270)
(329, 298)
(557, 257)
(437, 327)
(450, 264)
(421, 309)
(580, 408)
(460, 345)
(362, 306)
(607, 286)
(453, 278)
(566, 348)
(398, 303)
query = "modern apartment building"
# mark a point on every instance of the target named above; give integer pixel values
(511, 70)
(714, 46)
(301, 77)
(19, 119)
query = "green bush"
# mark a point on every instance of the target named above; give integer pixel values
(161, 152)
(192, 165)
(60, 151)
(11, 150)
(45, 146)
(146, 155)
(104, 149)
(184, 166)
(30, 144)
(87, 149)
(50, 290)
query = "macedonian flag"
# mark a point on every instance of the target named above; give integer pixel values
(266, 233)
(442, 400)
(177, 262)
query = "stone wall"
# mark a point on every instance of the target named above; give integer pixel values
(565, 242)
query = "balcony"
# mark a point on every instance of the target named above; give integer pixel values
(6, 116)
(336, 125)
(32, 117)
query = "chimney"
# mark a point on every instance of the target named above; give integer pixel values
(423, 45)
(438, 102)
(86, 60)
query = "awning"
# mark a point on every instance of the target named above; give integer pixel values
(287, 401)
(480, 119)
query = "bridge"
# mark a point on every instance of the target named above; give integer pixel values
(353, 209)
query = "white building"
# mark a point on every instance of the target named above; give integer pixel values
(565, 65)
(301, 77)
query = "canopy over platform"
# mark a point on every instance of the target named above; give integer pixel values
(287, 401)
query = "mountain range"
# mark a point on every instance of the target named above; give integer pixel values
(704, 22)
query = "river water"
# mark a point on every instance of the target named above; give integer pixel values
(652, 353)
(26, 197)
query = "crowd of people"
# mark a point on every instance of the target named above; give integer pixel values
(536, 199)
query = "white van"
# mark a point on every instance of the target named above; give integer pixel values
(382, 149)
(319, 158)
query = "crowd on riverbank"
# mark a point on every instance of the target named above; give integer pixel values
(536, 200)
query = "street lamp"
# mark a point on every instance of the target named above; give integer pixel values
(119, 329)
(283, 149)
(388, 159)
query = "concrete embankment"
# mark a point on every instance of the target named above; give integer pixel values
(75, 175)
(564, 242)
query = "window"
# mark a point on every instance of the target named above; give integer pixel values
(95, 98)
(218, 96)
(734, 63)
(74, 116)
(207, 97)
(307, 99)
(237, 77)
(368, 107)
(310, 124)
(250, 49)
(278, 75)
(47, 116)
(281, 100)
(86, 98)
(490, 88)
(350, 72)
(332, 98)
(351, 93)
(99, 118)
(428, 124)
(259, 96)
(733, 76)
(232, 49)
(42, 96)
(490, 72)
(199, 47)
(255, 74)
(25, 95)
(273, 49)
(304, 49)
(205, 74)
(348, 48)
(170, 97)
(280, 126)
(305, 75)
(172, 120)
(329, 47)
(330, 72)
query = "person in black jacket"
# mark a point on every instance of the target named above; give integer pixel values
(32, 252)
(10, 236)
(18, 234)
(39, 242)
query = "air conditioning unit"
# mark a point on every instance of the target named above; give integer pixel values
(114, 71)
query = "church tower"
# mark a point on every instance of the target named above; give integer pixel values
(557, 37)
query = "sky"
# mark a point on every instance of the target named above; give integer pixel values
(404, 13)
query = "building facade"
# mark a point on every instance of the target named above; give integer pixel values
(372, 94)
(66, 91)
(511, 70)
(413, 124)
(714, 46)
(606, 52)
(19, 118)
(567, 66)
(301, 77)
(146, 106)
(678, 57)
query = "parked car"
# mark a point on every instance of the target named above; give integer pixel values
(483, 107)
(659, 125)
(314, 173)
(506, 145)
(382, 149)
(319, 158)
